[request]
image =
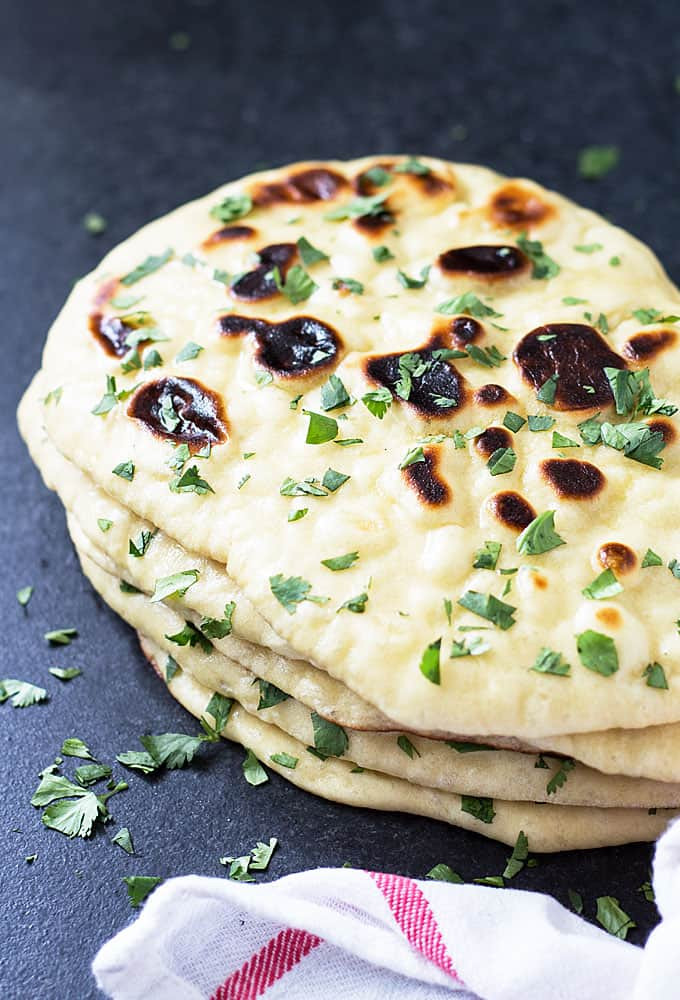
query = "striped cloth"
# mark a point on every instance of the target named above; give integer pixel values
(357, 935)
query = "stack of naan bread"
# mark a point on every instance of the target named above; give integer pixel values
(370, 448)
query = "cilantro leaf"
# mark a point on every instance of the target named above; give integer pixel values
(139, 887)
(285, 760)
(123, 839)
(88, 774)
(614, 920)
(341, 562)
(65, 673)
(406, 282)
(22, 693)
(270, 695)
(219, 707)
(474, 646)
(548, 390)
(348, 285)
(429, 662)
(253, 771)
(550, 662)
(330, 739)
(520, 852)
(126, 470)
(373, 205)
(539, 536)
(404, 743)
(138, 760)
(443, 873)
(321, 428)
(298, 285)
(138, 548)
(174, 586)
(597, 652)
(575, 901)
(655, 676)
(489, 607)
(603, 587)
(232, 207)
(61, 636)
(334, 394)
(289, 591)
(479, 807)
(171, 750)
(333, 480)
(74, 817)
(651, 559)
(73, 747)
(191, 636)
(377, 402)
(412, 457)
(190, 482)
(560, 776)
(560, 441)
(541, 422)
(501, 461)
(309, 254)
(487, 557)
(513, 421)
(148, 266)
(594, 162)
(219, 628)
(356, 604)
(543, 266)
(468, 304)
(382, 254)
(189, 352)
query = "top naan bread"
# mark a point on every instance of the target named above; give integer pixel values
(530, 298)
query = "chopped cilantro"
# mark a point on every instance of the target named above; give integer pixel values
(651, 559)
(126, 470)
(474, 646)
(597, 652)
(253, 771)
(189, 352)
(373, 205)
(333, 480)
(614, 920)
(519, 855)
(148, 266)
(123, 839)
(190, 482)
(61, 636)
(467, 303)
(513, 421)
(172, 668)
(548, 390)
(603, 587)
(487, 557)
(65, 673)
(588, 247)
(414, 455)
(138, 760)
(489, 607)
(356, 604)
(539, 536)
(481, 808)
(550, 662)
(330, 739)
(543, 266)
(488, 357)
(309, 254)
(232, 207)
(176, 585)
(139, 887)
(406, 282)
(191, 636)
(139, 548)
(341, 562)
(404, 743)
(348, 285)
(270, 695)
(73, 747)
(171, 750)
(429, 662)
(22, 693)
(541, 422)
(595, 162)
(655, 676)
(560, 776)
(501, 461)
(285, 760)
(296, 515)
(560, 441)
(24, 594)
(297, 287)
(377, 402)
(575, 901)
(89, 774)
(321, 428)
(443, 873)
(219, 628)
(333, 394)
(382, 254)
(104, 524)
(291, 591)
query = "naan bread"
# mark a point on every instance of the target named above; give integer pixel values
(430, 763)
(416, 529)
(547, 828)
(652, 753)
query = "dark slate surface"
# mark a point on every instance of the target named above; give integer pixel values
(98, 113)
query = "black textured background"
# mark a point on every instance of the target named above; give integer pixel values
(97, 112)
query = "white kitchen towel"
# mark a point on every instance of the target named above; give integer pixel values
(362, 935)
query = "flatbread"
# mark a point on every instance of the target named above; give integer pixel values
(416, 529)
(431, 763)
(652, 753)
(547, 828)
